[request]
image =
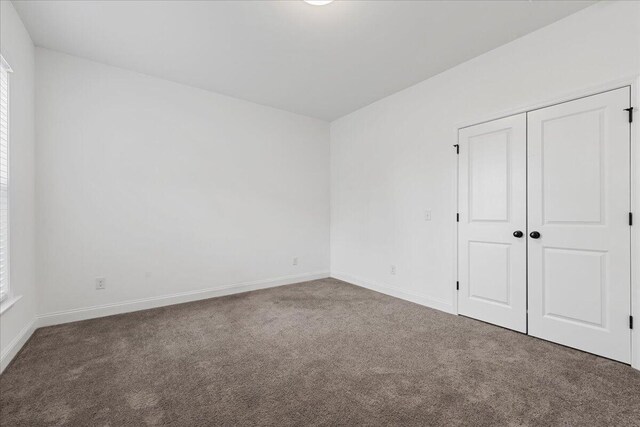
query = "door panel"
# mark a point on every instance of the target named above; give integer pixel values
(572, 191)
(578, 200)
(489, 267)
(572, 274)
(492, 262)
(489, 178)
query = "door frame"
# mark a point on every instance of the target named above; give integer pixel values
(633, 82)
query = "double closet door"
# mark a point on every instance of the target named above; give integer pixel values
(544, 233)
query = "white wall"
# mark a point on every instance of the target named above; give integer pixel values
(394, 159)
(166, 189)
(16, 324)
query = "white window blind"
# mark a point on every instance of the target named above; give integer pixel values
(4, 178)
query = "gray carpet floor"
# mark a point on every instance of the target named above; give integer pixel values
(316, 353)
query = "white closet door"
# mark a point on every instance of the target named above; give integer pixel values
(578, 201)
(492, 205)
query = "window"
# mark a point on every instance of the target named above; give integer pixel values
(4, 178)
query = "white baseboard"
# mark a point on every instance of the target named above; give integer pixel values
(85, 313)
(425, 300)
(14, 346)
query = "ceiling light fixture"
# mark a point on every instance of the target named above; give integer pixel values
(318, 2)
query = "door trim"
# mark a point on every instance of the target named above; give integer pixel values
(633, 82)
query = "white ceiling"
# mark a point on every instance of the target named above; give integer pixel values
(320, 61)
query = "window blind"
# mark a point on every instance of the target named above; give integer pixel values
(4, 178)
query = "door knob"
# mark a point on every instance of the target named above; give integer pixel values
(534, 235)
(518, 234)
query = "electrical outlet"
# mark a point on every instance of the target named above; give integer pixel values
(427, 215)
(295, 260)
(101, 283)
(393, 269)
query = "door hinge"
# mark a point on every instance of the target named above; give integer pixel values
(457, 217)
(457, 286)
(457, 148)
(630, 218)
(630, 322)
(630, 110)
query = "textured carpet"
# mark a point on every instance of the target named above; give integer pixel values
(316, 353)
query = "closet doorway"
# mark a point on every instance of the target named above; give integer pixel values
(544, 231)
